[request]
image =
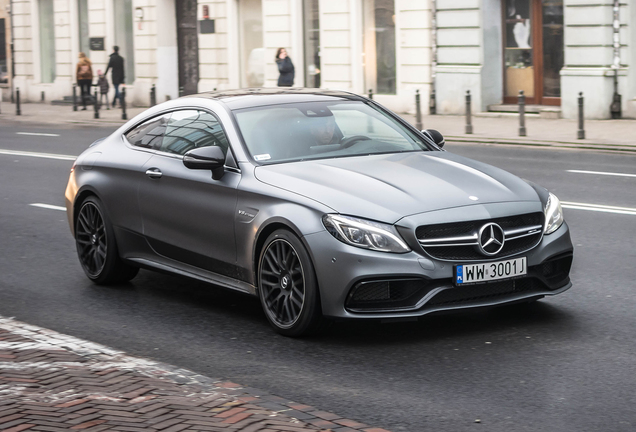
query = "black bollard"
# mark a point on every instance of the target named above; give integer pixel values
(469, 124)
(581, 131)
(17, 101)
(153, 95)
(96, 104)
(123, 103)
(370, 93)
(522, 113)
(42, 97)
(418, 111)
(74, 97)
(432, 104)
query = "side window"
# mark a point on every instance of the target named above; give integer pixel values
(149, 134)
(188, 129)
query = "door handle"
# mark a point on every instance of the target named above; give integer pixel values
(154, 173)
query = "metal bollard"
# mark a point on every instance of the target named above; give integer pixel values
(17, 101)
(469, 124)
(522, 113)
(96, 105)
(418, 111)
(74, 97)
(581, 131)
(42, 97)
(123, 103)
(432, 104)
(371, 94)
(153, 95)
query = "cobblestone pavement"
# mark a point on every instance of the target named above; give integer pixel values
(53, 382)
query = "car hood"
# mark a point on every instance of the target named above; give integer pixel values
(391, 186)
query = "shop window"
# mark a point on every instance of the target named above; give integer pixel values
(251, 43)
(379, 46)
(312, 43)
(124, 36)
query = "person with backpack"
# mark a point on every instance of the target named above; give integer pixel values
(102, 83)
(84, 76)
(116, 63)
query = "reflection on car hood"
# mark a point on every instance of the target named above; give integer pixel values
(389, 187)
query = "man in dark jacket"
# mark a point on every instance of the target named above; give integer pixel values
(116, 63)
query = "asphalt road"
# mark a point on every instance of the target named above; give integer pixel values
(564, 364)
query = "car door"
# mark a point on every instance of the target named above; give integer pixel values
(187, 216)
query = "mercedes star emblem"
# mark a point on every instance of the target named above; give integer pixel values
(491, 239)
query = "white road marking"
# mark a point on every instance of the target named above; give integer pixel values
(599, 208)
(36, 134)
(602, 173)
(38, 155)
(48, 206)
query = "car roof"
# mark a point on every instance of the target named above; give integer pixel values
(254, 97)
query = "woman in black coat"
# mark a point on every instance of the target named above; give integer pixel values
(285, 67)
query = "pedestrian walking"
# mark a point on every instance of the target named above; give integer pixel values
(102, 83)
(84, 77)
(285, 67)
(116, 63)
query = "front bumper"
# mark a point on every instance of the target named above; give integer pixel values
(341, 269)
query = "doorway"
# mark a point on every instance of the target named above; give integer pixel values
(188, 46)
(533, 50)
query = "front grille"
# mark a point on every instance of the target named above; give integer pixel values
(482, 292)
(385, 294)
(458, 241)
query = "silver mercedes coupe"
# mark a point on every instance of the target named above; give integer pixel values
(322, 203)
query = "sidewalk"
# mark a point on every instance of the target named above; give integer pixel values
(53, 382)
(488, 128)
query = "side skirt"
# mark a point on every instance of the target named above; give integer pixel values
(198, 274)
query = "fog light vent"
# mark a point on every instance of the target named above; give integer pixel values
(387, 294)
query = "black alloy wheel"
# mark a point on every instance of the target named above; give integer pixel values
(287, 285)
(96, 246)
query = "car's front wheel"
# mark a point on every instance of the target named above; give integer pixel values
(96, 246)
(287, 285)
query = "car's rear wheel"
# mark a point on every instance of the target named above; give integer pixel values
(96, 246)
(287, 285)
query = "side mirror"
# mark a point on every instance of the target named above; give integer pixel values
(206, 158)
(434, 135)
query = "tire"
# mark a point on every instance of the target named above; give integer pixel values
(287, 286)
(96, 246)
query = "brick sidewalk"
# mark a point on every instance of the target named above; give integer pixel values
(53, 382)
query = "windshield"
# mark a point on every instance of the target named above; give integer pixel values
(316, 130)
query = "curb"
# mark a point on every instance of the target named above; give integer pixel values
(615, 148)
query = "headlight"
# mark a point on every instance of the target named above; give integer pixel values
(553, 214)
(365, 233)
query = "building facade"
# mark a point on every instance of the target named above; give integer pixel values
(551, 49)
(5, 50)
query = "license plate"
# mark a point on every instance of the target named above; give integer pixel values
(485, 272)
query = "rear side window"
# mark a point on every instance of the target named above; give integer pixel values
(149, 134)
(189, 129)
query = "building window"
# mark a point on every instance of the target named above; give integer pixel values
(47, 41)
(379, 46)
(124, 36)
(312, 43)
(251, 43)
